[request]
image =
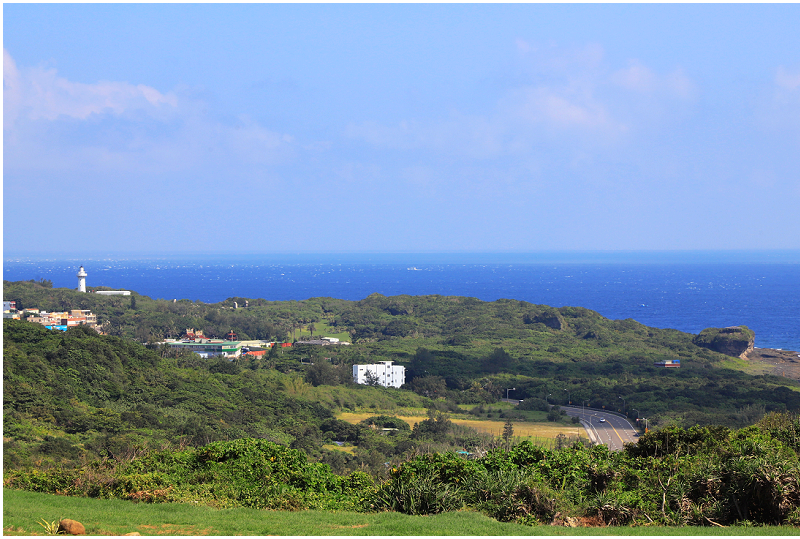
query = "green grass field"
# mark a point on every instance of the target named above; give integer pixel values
(322, 330)
(23, 510)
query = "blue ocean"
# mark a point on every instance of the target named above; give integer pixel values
(684, 291)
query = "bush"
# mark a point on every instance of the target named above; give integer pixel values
(539, 405)
(555, 414)
(513, 495)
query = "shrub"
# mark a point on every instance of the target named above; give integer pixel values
(539, 405)
(513, 495)
(421, 493)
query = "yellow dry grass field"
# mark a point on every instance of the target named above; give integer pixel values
(522, 430)
(344, 449)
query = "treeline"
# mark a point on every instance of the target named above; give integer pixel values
(527, 330)
(145, 319)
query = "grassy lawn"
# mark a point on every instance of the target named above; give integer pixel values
(753, 368)
(322, 330)
(490, 426)
(22, 510)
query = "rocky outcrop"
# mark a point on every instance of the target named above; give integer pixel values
(68, 526)
(735, 341)
(549, 316)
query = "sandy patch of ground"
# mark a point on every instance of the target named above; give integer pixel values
(776, 362)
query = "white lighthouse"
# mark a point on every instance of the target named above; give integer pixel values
(81, 280)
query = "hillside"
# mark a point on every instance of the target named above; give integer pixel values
(67, 395)
(75, 395)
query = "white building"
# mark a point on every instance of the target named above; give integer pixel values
(210, 347)
(385, 374)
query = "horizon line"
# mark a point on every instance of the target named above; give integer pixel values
(544, 255)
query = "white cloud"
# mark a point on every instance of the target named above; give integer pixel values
(568, 98)
(52, 123)
(779, 108)
(681, 85)
(635, 77)
(557, 107)
(523, 46)
(640, 79)
(12, 93)
(786, 80)
(39, 93)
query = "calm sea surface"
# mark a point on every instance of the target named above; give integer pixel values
(689, 293)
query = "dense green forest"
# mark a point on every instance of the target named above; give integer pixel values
(121, 415)
(463, 349)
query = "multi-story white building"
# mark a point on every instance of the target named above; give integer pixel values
(383, 372)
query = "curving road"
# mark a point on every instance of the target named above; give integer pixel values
(614, 432)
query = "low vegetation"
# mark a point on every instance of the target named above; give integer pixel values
(672, 477)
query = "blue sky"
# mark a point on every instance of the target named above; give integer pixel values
(399, 128)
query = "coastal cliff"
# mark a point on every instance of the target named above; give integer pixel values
(735, 341)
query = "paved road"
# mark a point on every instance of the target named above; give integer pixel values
(614, 432)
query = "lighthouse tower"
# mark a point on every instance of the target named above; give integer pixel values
(81, 280)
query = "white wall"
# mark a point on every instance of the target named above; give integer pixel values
(387, 374)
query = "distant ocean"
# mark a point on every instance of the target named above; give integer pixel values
(688, 292)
